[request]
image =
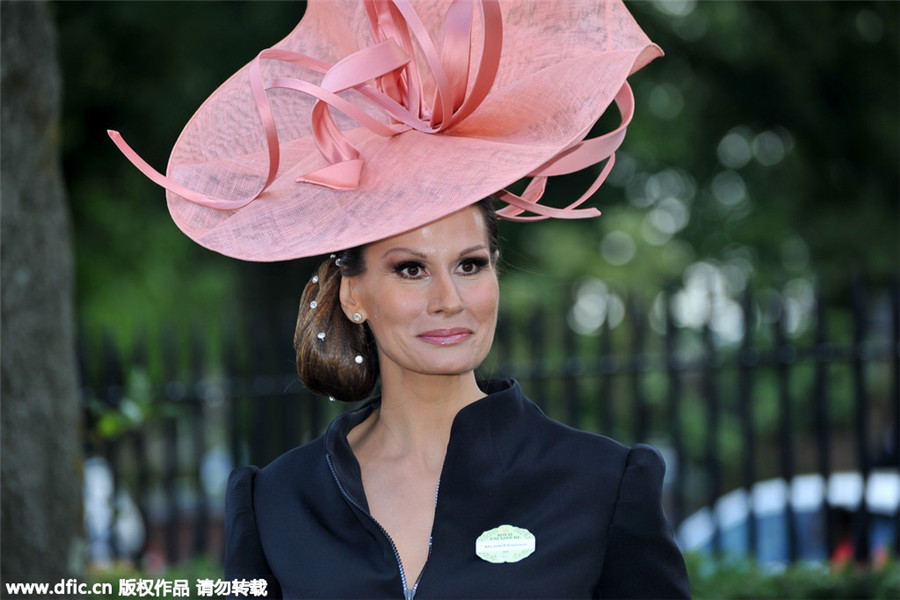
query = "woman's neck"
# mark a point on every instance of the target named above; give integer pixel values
(415, 416)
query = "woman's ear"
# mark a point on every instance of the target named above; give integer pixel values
(349, 295)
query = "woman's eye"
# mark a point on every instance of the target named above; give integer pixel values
(471, 266)
(409, 270)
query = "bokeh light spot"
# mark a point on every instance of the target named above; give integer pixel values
(617, 248)
(734, 149)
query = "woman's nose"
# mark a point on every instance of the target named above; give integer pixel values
(445, 296)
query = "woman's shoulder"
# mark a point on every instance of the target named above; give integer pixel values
(594, 451)
(580, 440)
(562, 433)
(521, 427)
(302, 459)
(544, 429)
(246, 484)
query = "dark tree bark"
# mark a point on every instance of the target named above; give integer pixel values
(40, 474)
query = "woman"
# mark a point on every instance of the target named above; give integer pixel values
(441, 486)
(396, 496)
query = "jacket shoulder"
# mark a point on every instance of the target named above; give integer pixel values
(283, 471)
(644, 560)
(589, 450)
(244, 555)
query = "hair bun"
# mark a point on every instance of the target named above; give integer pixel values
(335, 357)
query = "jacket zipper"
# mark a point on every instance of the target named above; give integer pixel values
(408, 594)
(411, 593)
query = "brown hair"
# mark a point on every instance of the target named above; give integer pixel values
(329, 345)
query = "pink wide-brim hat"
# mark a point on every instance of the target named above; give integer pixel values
(375, 117)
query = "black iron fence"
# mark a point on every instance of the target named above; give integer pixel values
(763, 401)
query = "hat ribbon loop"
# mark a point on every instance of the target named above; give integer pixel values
(581, 155)
(268, 123)
(345, 162)
(397, 19)
(396, 23)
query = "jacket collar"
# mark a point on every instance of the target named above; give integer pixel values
(479, 437)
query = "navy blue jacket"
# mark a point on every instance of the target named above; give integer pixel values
(592, 504)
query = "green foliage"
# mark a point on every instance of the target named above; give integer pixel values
(134, 409)
(138, 406)
(743, 579)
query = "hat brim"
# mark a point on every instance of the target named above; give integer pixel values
(560, 69)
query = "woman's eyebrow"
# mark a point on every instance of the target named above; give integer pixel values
(475, 248)
(402, 250)
(418, 254)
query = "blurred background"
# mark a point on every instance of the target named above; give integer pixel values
(736, 306)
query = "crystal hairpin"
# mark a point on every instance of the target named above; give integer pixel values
(321, 335)
(315, 279)
(358, 359)
(313, 304)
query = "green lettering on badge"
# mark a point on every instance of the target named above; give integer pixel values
(505, 544)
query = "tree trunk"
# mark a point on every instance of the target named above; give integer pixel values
(40, 449)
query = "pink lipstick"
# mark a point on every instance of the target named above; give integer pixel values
(445, 337)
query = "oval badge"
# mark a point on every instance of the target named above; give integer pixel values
(505, 544)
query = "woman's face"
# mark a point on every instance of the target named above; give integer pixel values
(430, 296)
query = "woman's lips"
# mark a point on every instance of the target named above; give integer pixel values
(445, 337)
